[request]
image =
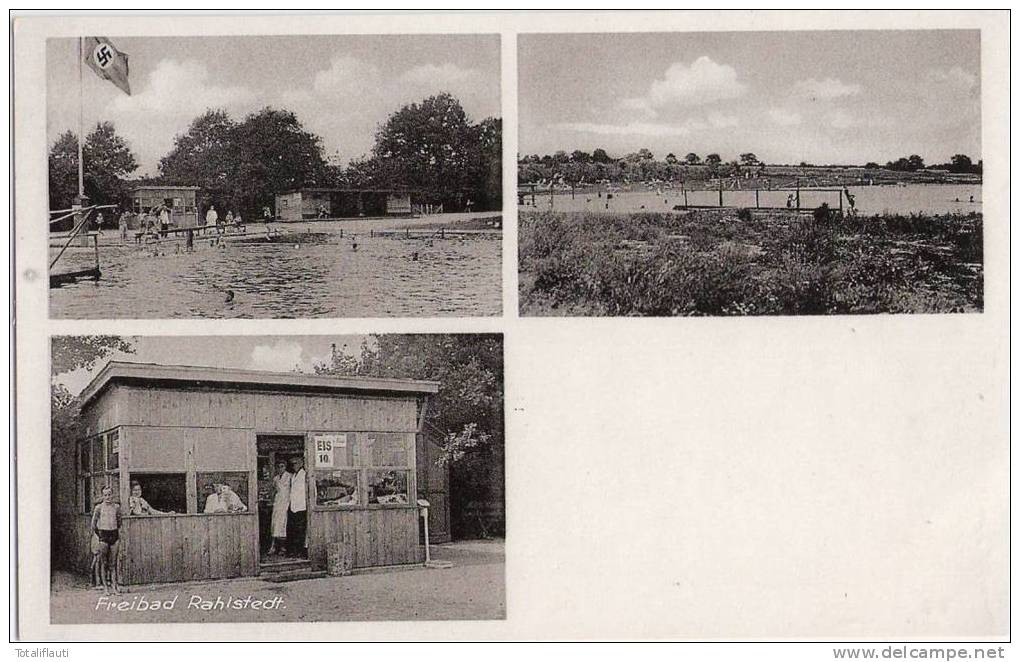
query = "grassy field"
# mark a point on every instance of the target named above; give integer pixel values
(725, 262)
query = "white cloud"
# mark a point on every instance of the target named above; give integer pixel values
(955, 78)
(180, 89)
(784, 117)
(829, 88)
(703, 81)
(722, 121)
(282, 356)
(631, 129)
(439, 75)
(841, 119)
(347, 74)
(351, 97)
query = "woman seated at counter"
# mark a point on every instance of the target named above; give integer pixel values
(139, 506)
(224, 500)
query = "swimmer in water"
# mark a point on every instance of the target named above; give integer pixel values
(972, 198)
(414, 256)
(230, 296)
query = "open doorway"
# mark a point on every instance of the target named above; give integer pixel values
(277, 456)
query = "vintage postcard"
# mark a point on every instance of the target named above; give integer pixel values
(518, 326)
(208, 479)
(274, 176)
(751, 173)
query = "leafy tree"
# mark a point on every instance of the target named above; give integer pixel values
(713, 159)
(434, 147)
(274, 154)
(579, 156)
(205, 155)
(108, 161)
(692, 158)
(600, 156)
(961, 163)
(486, 177)
(871, 165)
(748, 158)
(908, 164)
(671, 158)
(467, 412)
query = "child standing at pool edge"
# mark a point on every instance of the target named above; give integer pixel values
(106, 519)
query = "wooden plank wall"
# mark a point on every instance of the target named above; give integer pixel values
(387, 536)
(187, 547)
(264, 412)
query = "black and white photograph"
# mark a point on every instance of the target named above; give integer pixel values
(708, 346)
(274, 176)
(750, 173)
(277, 478)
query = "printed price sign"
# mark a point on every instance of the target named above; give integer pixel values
(324, 445)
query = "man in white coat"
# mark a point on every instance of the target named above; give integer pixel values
(211, 217)
(297, 512)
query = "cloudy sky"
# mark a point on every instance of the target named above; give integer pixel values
(274, 353)
(341, 87)
(822, 97)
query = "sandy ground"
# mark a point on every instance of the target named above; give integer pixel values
(473, 589)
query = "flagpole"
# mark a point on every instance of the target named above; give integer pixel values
(81, 118)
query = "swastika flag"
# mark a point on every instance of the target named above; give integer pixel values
(107, 61)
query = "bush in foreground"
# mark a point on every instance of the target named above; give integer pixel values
(714, 263)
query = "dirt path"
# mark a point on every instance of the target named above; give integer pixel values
(474, 589)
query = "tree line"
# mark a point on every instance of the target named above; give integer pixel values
(431, 147)
(642, 165)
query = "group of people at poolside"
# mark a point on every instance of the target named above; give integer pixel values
(108, 515)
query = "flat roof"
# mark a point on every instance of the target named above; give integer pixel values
(185, 375)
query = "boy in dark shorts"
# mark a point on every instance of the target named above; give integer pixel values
(106, 519)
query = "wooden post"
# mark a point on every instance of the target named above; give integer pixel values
(685, 198)
(720, 193)
(798, 193)
(757, 205)
(96, 242)
(841, 201)
(81, 120)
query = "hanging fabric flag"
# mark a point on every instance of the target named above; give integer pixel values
(107, 61)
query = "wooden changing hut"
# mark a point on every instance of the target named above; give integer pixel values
(180, 200)
(179, 430)
(311, 203)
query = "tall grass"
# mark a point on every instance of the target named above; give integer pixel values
(714, 263)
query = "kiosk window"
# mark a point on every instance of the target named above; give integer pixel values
(387, 486)
(337, 487)
(113, 449)
(164, 491)
(98, 457)
(213, 497)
